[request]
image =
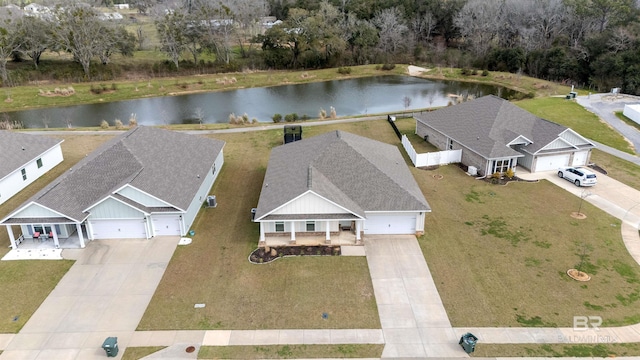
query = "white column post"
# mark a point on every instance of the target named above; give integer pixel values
(327, 236)
(80, 236)
(293, 231)
(55, 236)
(89, 230)
(11, 238)
(262, 238)
(358, 226)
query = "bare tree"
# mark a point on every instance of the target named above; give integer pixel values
(35, 36)
(392, 29)
(478, 22)
(247, 14)
(171, 31)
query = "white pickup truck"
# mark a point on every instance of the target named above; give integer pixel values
(578, 176)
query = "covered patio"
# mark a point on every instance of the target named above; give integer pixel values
(339, 229)
(45, 234)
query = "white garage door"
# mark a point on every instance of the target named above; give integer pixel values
(580, 158)
(119, 229)
(390, 224)
(552, 162)
(166, 225)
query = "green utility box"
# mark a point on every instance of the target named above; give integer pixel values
(468, 342)
(110, 346)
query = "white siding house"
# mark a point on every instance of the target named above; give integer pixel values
(23, 159)
(338, 185)
(146, 182)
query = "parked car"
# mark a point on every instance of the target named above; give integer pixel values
(578, 176)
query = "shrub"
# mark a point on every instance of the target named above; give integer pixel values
(119, 124)
(496, 175)
(322, 114)
(94, 89)
(276, 118)
(288, 118)
(388, 67)
(232, 118)
(485, 72)
(474, 72)
(245, 118)
(305, 117)
(133, 122)
(345, 70)
(254, 120)
(509, 173)
(104, 124)
(332, 112)
(465, 71)
(114, 86)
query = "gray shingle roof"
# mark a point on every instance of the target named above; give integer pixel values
(18, 149)
(354, 172)
(162, 163)
(486, 125)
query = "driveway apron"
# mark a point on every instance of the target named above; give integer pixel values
(414, 321)
(105, 293)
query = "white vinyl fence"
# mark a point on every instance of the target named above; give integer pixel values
(430, 159)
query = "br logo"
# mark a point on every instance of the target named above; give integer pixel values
(582, 323)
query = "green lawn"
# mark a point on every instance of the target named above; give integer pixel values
(628, 121)
(624, 171)
(498, 254)
(291, 351)
(558, 350)
(574, 116)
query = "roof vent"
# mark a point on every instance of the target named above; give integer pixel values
(23, 148)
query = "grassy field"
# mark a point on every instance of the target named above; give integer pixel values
(291, 351)
(558, 350)
(624, 171)
(571, 114)
(135, 353)
(498, 254)
(25, 284)
(628, 121)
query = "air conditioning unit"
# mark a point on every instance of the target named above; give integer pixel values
(473, 171)
(211, 201)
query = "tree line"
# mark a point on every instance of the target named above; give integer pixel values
(591, 43)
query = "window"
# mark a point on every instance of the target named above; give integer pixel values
(24, 174)
(501, 166)
(311, 226)
(449, 144)
(39, 163)
(279, 226)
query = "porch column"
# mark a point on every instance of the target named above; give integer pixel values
(11, 238)
(55, 236)
(358, 226)
(80, 236)
(293, 231)
(327, 236)
(89, 230)
(262, 239)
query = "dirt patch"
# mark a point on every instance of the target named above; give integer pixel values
(578, 275)
(577, 215)
(416, 70)
(267, 254)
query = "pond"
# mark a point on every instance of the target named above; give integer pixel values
(361, 96)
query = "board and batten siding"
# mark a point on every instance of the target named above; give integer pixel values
(573, 138)
(14, 182)
(35, 211)
(203, 191)
(140, 197)
(114, 209)
(309, 203)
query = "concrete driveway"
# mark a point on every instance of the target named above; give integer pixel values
(610, 195)
(414, 321)
(105, 293)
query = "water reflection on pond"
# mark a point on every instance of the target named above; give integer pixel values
(359, 96)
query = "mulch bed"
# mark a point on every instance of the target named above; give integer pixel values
(267, 254)
(598, 169)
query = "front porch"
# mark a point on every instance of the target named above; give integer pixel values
(49, 237)
(341, 238)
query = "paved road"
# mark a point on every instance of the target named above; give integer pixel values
(604, 105)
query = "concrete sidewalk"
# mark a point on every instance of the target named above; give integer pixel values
(105, 293)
